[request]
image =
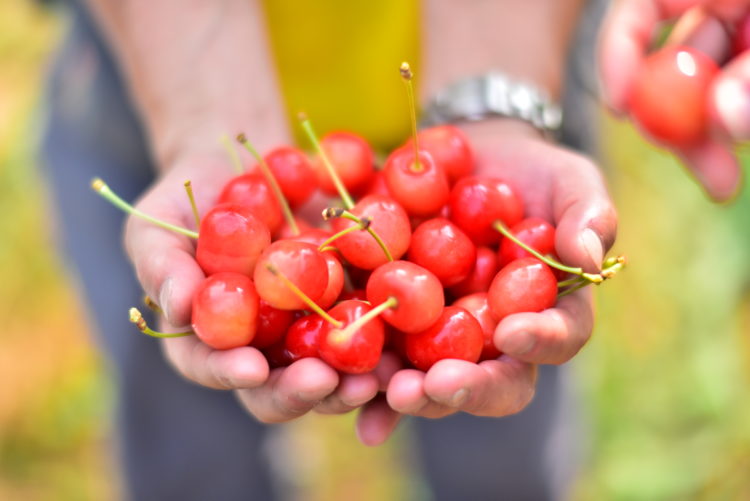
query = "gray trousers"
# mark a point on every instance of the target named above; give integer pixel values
(181, 441)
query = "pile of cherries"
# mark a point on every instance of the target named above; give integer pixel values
(424, 261)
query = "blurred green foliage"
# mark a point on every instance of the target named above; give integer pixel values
(664, 380)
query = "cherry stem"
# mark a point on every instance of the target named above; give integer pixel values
(101, 187)
(571, 290)
(570, 281)
(357, 227)
(591, 277)
(140, 322)
(242, 139)
(407, 76)
(304, 297)
(191, 197)
(344, 335)
(611, 266)
(364, 223)
(234, 157)
(340, 188)
(151, 305)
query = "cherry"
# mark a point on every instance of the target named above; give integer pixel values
(359, 294)
(277, 355)
(524, 285)
(285, 263)
(456, 334)
(335, 281)
(355, 346)
(294, 174)
(478, 306)
(286, 231)
(303, 338)
(377, 185)
(351, 157)
(741, 39)
(316, 237)
(231, 239)
(449, 148)
(669, 95)
(387, 219)
(534, 232)
(251, 190)
(441, 247)
(418, 292)
(417, 183)
(477, 202)
(272, 325)
(225, 311)
(479, 280)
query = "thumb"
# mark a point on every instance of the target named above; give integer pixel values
(729, 99)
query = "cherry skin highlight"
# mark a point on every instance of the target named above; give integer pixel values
(251, 190)
(524, 285)
(351, 157)
(294, 173)
(359, 352)
(441, 247)
(669, 97)
(479, 280)
(299, 262)
(421, 189)
(449, 148)
(225, 311)
(231, 238)
(456, 334)
(418, 292)
(479, 308)
(477, 202)
(534, 232)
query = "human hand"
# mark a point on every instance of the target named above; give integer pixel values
(559, 186)
(706, 25)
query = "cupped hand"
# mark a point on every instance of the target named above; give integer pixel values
(708, 25)
(564, 188)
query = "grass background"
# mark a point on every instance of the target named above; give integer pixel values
(665, 379)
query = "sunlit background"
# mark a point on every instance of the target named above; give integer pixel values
(665, 379)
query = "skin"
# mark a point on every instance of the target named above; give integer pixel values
(703, 24)
(183, 122)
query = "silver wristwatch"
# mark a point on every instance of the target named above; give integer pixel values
(493, 95)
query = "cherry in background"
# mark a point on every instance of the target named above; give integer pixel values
(225, 311)
(357, 351)
(420, 187)
(272, 325)
(294, 173)
(441, 247)
(252, 191)
(669, 98)
(479, 280)
(534, 232)
(449, 148)
(231, 238)
(524, 285)
(351, 157)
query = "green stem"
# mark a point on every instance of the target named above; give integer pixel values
(407, 76)
(573, 289)
(191, 197)
(342, 336)
(272, 182)
(304, 297)
(140, 322)
(151, 305)
(570, 281)
(340, 188)
(591, 277)
(361, 221)
(101, 187)
(234, 157)
(338, 235)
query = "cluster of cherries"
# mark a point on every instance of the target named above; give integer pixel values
(425, 261)
(679, 116)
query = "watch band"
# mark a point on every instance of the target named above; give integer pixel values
(493, 95)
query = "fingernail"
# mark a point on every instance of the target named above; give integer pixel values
(733, 107)
(592, 245)
(519, 343)
(165, 294)
(459, 398)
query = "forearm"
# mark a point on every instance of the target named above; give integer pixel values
(528, 40)
(179, 58)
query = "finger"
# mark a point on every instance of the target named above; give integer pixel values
(389, 364)
(290, 392)
(699, 29)
(354, 391)
(715, 167)
(406, 395)
(729, 99)
(553, 336)
(454, 383)
(585, 218)
(243, 367)
(727, 10)
(376, 422)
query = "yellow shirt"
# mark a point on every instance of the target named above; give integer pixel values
(338, 62)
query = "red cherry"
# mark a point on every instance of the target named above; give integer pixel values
(277, 356)
(272, 325)
(231, 238)
(335, 281)
(480, 278)
(479, 308)
(356, 352)
(441, 247)
(285, 231)
(358, 294)
(418, 292)
(303, 338)
(251, 190)
(300, 263)
(450, 149)
(378, 185)
(352, 159)
(669, 95)
(316, 237)
(456, 334)
(389, 221)
(534, 232)
(741, 39)
(225, 311)
(293, 172)
(477, 202)
(524, 285)
(421, 189)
